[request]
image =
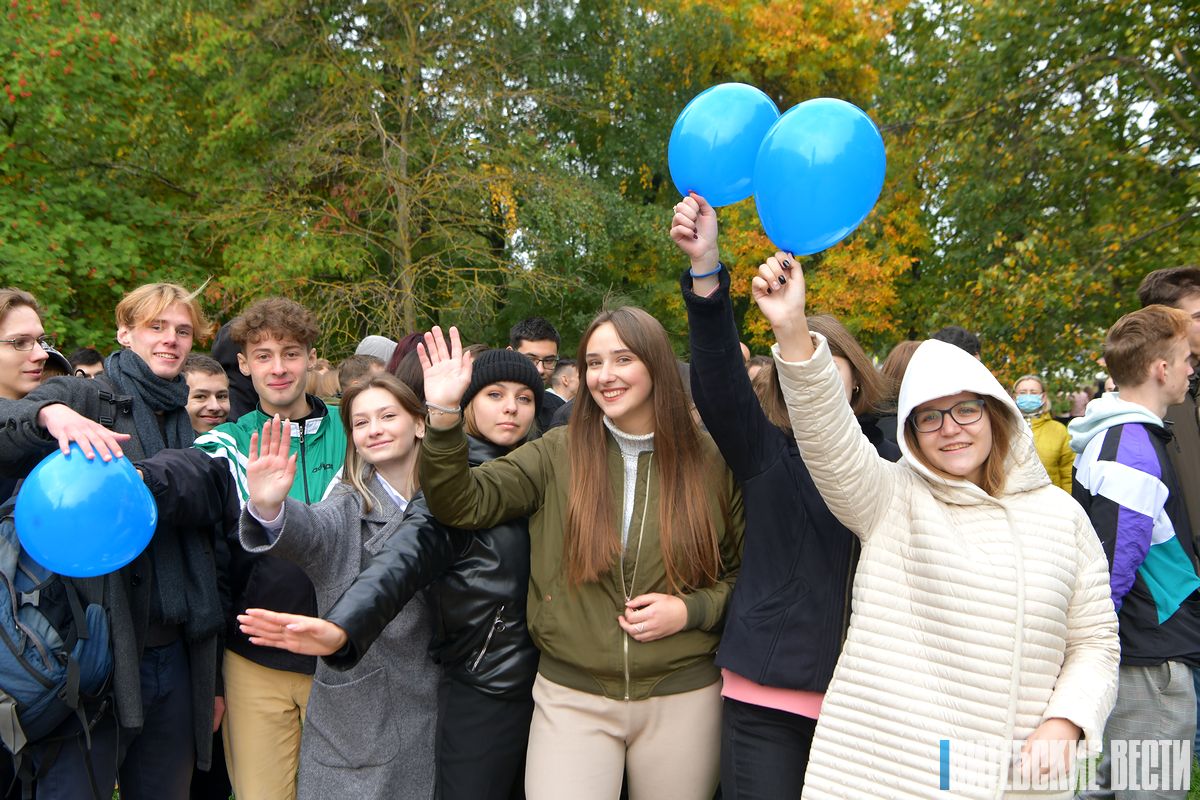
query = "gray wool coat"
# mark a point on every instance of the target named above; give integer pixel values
(369, 732)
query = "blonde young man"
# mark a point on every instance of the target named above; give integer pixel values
(164, 608)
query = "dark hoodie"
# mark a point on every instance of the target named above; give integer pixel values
(242, 397)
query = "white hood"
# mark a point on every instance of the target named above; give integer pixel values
(938, 369)
(1107, 411)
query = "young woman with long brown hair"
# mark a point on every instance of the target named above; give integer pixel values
(635, 533)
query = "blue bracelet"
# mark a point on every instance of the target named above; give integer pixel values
(707, 274)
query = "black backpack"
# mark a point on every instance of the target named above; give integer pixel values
(56, 660)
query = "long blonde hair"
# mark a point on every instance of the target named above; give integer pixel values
(356, 471)
(687, 533)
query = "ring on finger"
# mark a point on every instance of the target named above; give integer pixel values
(641, 627)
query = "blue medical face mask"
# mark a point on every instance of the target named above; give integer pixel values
(1029, 403)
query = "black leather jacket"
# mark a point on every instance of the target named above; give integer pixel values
(478, 580)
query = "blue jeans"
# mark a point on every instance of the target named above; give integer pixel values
(157, 761)
(68, 776)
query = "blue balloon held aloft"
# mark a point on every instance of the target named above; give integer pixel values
(83, 518)
(819, 172)
(715, 141)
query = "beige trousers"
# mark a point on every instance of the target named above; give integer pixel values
(581, 743)
(263, 716)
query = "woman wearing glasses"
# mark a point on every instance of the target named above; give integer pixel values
(24, 346)
(982, 614)
(26, 354)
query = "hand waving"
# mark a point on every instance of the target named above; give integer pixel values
(447, 371)
(270, 471)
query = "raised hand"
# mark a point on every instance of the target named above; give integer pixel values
(270, 471)
(309, 636)
(779, 291)
(694, 231)
(447, 371)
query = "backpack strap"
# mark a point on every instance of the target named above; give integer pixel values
(13, 646)
(112, 403)
(79, 631)
(53, 749)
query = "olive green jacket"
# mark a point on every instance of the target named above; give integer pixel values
(576, 628)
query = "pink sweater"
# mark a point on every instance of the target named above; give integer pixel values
(793, 701)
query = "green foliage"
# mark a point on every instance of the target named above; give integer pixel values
(1056, 151)
(394, 163)
(87, 207)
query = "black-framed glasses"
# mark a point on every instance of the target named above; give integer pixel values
(549, 362)
(27, 342)
(964, 412)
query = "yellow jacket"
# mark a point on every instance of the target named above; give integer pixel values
(1054, 448)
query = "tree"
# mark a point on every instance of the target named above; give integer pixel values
(89, 199)
(1055, 151)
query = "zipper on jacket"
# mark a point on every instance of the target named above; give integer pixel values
(625, 648)
(497, 625)
(304, 464)
(1014, 688)
(849, 590)
(629, 594)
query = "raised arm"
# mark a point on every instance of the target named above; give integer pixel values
(314, 537)
(459, 496)
(856, 483)
(721, 388)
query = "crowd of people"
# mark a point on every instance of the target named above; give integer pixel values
(440, 570)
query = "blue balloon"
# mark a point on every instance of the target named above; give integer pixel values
(819, 172)
(715, 141)
(83, 518)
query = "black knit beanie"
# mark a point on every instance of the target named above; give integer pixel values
(494, 366)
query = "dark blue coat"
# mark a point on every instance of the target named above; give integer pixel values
(791, 604)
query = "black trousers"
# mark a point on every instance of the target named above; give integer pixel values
(481, 744)
(764, 752)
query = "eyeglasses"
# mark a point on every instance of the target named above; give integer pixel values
(964, 412)
(27, 342)
(549, 362)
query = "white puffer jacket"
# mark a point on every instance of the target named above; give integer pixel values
(975, 618)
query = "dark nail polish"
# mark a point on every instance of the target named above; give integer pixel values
(769, 290)
(695, 236)
(782, 280)
(787, 264)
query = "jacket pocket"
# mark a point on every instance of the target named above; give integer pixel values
(344, 726)
(496, 625)
(778, 602)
